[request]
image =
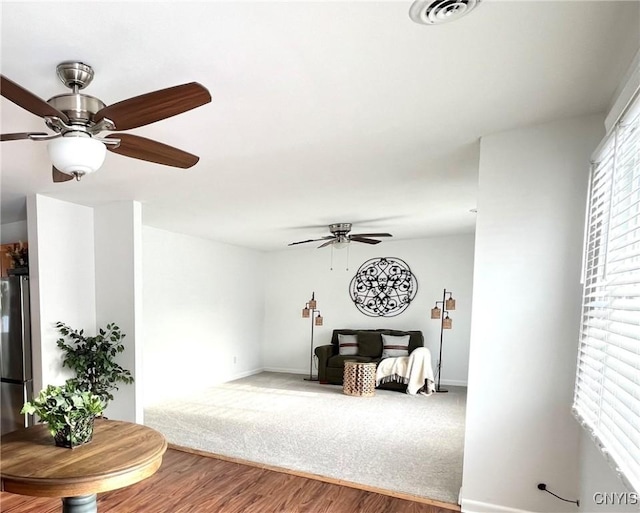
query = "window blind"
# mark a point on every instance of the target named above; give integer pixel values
(607, 391)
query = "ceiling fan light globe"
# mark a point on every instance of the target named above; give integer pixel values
(76, 155)
(340, 245)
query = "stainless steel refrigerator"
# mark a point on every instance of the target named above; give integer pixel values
(16, 385)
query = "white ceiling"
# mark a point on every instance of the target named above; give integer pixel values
(322, 112)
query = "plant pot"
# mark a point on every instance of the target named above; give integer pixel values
(80, 433)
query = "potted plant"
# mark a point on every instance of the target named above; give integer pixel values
(68, 412)
(19, 256)
(93, 360)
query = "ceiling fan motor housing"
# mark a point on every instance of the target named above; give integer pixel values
(79, 108)
(340, 228)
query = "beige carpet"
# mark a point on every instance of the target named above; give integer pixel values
(393, 441)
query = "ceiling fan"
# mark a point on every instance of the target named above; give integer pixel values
(75, 148)
(340, 237)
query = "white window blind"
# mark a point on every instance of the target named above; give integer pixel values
(607, 391)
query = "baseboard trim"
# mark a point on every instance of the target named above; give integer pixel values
(453, 382)
(469, 506)
(244, 374)
(289, 371)
(317, 477)
(450, 382)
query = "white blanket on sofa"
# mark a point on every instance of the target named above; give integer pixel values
(414, 370)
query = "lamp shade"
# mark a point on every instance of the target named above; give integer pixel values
(76, 154)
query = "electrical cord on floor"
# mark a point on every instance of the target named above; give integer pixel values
(543, 487)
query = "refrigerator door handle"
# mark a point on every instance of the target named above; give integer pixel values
(26, 329)
(11, 381)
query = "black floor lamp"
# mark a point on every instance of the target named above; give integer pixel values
(310, 311)
(448, 303)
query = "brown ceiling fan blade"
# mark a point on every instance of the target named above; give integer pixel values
(371, 235)
(151, 107)
(328, 243)
(27, 100)
(308, 240)
(59, 176)
(357, 238)
(142, 148)
(19, 135)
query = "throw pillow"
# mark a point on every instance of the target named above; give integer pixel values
(369, 344)
(347, 345)
(393, 347)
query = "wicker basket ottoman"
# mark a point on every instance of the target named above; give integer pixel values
(359, 379)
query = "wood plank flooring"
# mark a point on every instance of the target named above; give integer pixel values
(188, 483)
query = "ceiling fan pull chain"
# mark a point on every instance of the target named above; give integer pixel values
(331, 268)
(348, 246)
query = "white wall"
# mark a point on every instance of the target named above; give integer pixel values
(293, 274)
(118, 279)
(61, 269)
(203, 311)
(597, 478)
(13, 232)
(526, 296)
(85, 268)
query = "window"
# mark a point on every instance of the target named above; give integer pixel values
(607, 391)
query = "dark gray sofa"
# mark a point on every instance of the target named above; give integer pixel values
(331, 364)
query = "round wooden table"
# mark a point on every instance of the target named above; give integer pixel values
(120, 454)
(359, 378)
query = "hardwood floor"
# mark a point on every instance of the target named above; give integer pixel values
(188, 483)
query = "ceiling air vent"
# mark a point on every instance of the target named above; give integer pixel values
(431, 12)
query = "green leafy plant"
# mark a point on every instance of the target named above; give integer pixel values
(68, 412)
(93, 359)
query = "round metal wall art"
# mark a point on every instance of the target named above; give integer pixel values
(383, 287)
